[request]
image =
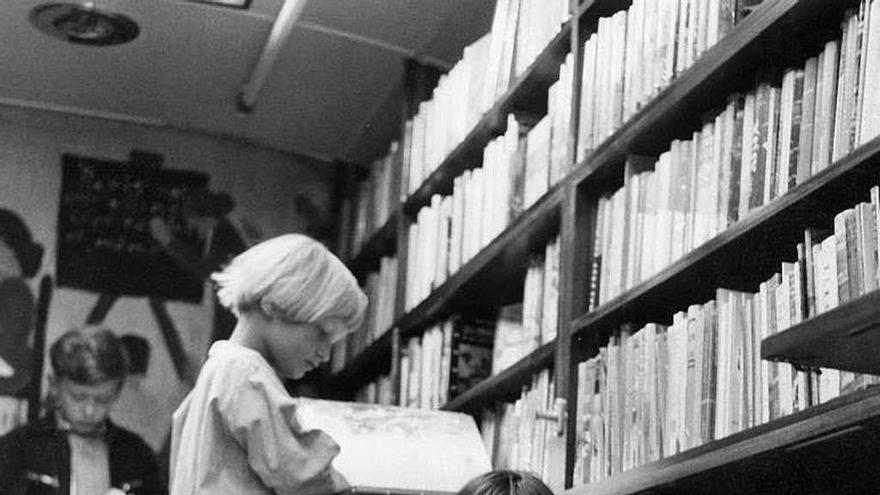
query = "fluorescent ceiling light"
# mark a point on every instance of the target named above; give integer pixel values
(281, 28)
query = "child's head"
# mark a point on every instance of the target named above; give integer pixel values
(308, 298)
(89, 366)
(505, 482)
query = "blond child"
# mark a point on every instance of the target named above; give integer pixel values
(236, 432)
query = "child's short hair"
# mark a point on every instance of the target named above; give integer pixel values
(505, 482)
(296, 278)
(89, 356)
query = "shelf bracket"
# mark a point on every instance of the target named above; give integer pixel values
(559, 413)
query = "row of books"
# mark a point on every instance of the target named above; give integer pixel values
(378, 391)
(454, 228)
(543, 171)
(761, 145)
(381, 290)
(518, 168)
(514, 436)
(637, 52)
(375, 198)
(537, 22)
(445, 361)
(520, 30)
(663, 389)
(521, 328)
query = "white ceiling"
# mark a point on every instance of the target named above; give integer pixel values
(333, 93)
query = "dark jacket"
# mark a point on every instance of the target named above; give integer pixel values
(35, 457)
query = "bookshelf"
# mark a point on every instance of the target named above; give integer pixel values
(524, 95)
(812, 450)
(777, 457)
(493, 277)
(382, 243)
(506, 385)
(791, 453)
(374, 360)
(757, 243)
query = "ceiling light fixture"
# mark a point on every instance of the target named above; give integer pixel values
(281, 28)
(83, 24)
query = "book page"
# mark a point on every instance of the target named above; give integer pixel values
(399, 448)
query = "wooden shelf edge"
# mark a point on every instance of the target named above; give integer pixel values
(785, 434)
(361, 368)
(844, 338)
(381, 242)
(683, 267)
(493, 122)
(440, 299)
(506, 382)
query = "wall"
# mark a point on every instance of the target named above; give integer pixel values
(264, 183)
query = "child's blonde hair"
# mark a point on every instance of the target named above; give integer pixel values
(296, 278)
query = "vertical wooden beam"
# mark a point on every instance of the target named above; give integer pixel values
(344, 204)
(574, 224)
(35, 393)
(101, 308)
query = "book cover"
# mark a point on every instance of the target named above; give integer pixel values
(470, 354)
(758, 157)
(869, 126)
(826, 91)
(867, 252)
(736, 160)
(709, 363)
(808, 117)
(792, 140)
(512, 341)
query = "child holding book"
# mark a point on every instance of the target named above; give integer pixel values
(236, 432)
(75, 449)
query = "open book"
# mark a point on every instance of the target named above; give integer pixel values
(388, 449)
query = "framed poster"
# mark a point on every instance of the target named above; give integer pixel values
(104, 240)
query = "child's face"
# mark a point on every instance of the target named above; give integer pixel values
(85, 407)
(296, 348)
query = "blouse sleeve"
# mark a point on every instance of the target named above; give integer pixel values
(261, 417)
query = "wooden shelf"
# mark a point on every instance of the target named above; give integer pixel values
(778, 33)
(748, 252)
(382, 242)
(506, 385)
(845, 338)
(369, 363)
(494, 277)
(805, 452)
(528, 93)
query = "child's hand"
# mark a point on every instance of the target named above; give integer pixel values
(339, 481)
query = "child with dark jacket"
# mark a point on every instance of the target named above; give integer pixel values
(75, 449)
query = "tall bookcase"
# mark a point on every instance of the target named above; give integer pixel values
(827, 448)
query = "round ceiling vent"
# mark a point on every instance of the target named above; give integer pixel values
(84, 24)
